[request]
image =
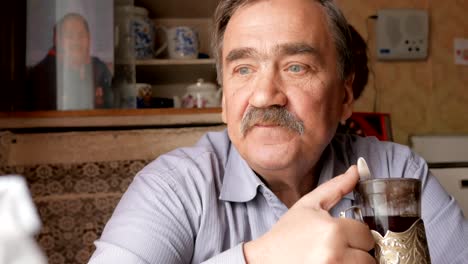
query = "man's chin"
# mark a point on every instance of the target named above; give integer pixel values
(270, 152)
(267, 165)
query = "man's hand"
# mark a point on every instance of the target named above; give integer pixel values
(308, 234)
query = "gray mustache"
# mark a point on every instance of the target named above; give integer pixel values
(276, 115)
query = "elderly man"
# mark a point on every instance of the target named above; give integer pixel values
(69, 78)
(268, 189)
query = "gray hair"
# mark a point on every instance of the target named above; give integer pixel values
(336, 20)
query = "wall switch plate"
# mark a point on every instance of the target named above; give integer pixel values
(402, 34)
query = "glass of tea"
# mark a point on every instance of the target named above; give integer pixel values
(391, 207)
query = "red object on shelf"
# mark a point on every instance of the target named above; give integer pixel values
(369, 124)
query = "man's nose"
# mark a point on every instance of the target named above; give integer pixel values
(268, 91)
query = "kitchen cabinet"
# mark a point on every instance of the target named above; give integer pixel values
(175, 74)
(168, 77)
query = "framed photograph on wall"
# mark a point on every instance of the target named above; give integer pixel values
(69, 54)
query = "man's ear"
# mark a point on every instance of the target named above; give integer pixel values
(223, 108)
(348, 99)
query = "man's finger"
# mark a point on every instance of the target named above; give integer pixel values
(357, 234)
(330, 193)
(356, 256)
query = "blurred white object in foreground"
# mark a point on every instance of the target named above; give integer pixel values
(19, 223)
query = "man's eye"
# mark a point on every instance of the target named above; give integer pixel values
(244, 70)
(296, 68)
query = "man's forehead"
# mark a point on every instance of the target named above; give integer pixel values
(282, 49)
(258, 32)
(72, 24)
(73, 21)
(303, 4)
(304, 18)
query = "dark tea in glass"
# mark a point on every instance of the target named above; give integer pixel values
(394, 223)
(391, 207)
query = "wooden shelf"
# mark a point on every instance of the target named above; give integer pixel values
(166, 62)
(174, 71)
(110, 118)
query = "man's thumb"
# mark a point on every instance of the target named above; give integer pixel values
(331, 192)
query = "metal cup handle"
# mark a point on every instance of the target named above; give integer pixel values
(357, 213)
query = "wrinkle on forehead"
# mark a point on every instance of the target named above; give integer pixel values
(284, 49)
(270, 17)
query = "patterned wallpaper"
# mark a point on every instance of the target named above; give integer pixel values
(423, 97)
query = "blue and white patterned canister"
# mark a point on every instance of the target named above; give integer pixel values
(144, 33)
(183, 43)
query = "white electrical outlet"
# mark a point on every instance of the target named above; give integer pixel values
(402, 34)
(461, 51)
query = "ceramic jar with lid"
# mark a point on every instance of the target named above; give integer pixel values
(202, 94)
(134, 21)
(144, 32)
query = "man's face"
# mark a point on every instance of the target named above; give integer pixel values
(73, 42)
(281, 53)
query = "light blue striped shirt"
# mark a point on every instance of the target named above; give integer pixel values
(199, 204)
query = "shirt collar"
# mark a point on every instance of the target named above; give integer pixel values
(240, 183)
(332, 166)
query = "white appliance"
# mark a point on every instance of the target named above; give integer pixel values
(447, 157)
(402, 34)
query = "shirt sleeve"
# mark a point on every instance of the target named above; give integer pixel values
(234, 255)
(157, 221)
(446, 227)
(151, 224)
